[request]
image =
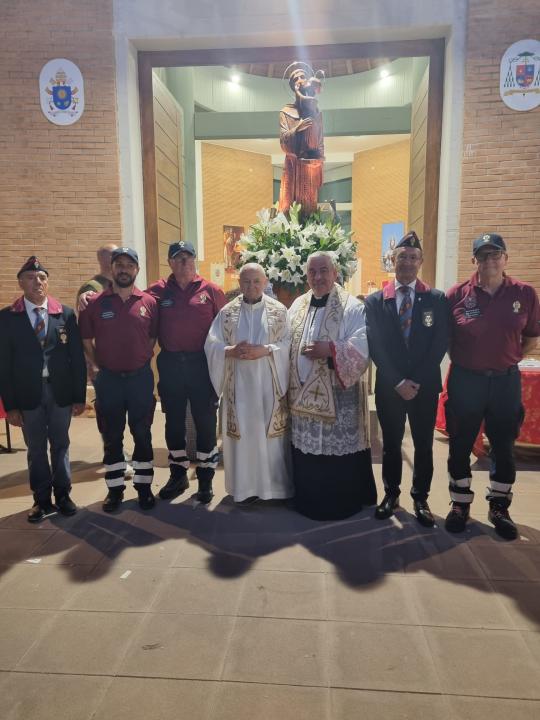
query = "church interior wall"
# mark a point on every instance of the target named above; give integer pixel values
(236, 185)
(380, 194)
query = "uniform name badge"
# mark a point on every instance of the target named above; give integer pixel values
(427, 318)
(62, 335)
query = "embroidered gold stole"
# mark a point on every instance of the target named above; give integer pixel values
(276, 314)
(315, 398)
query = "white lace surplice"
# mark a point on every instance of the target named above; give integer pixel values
(349, 433)
(255, 465)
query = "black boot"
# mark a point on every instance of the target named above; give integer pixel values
(386, 508)
(65, 504)
(423, 513)
(175, 486)
(146, 496)
(114, 498)
(456, 520)
(504, 525)
(205, 493)
(40, 509)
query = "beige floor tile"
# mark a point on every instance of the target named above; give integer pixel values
(522, 602)
(179, 646)
(273, 651)
(50, 697)
(195, 590)
(373, 705)
(509, 561)
(380, 657)
(484, 662)
(439, 555)
(235, 701)
(156, 699)
(387, 601)
(112, 587)
(284, 595)
(19, 630)
(14, 514)
(19, 545)
(470, 708)
(45, 587)
(532, 640)
(82, 643)
(465, 603)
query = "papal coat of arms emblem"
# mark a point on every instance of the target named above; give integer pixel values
(520, 75)
(62, 92)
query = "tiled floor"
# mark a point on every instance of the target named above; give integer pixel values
(224, 613)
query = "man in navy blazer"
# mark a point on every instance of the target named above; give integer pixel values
(42, 383)
(407, 329)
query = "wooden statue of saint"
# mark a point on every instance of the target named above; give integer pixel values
(302, 140)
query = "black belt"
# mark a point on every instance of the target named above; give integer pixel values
(125, 374)
(183, 354)
(512, 370)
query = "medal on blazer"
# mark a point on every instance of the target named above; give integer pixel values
(142, 311)
(203, 297)
(62, 335)
(427, 318)
(516, 307)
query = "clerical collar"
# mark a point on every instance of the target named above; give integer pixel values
(252, 302)
(319, 302)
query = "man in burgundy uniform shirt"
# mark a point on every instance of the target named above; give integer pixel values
(119, 329)
(494, 323)
(187, 306)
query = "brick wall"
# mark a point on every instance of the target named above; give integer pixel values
(380, 194)
(501, 147)
(236, 184)
(59, 186)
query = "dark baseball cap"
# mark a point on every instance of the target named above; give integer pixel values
(181, 246)
(124, 251)
(488, 240)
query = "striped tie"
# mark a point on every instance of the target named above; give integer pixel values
(39, 325)
(405, 312)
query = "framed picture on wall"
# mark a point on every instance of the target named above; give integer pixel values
(231, 246)
(391, 234)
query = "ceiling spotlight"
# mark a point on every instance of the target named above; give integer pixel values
(235, 78)
(384, 73)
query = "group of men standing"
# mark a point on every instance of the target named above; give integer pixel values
(295, 419)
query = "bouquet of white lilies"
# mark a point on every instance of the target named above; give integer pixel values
(282, 245)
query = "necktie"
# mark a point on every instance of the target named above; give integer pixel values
(39, 325)
(405, 312)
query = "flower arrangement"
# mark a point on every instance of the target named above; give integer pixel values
(282, 245)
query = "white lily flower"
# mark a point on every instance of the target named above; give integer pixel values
(273, 273)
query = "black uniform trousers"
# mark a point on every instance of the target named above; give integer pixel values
(392, 411)
(118, 395)
(494, 398)
(184, 376)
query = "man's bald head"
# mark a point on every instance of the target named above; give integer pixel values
(252, 267)
(104, 253)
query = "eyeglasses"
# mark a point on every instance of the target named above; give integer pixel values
(494, 255)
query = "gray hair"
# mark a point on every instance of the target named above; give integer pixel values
(325, 254)
(253, 266)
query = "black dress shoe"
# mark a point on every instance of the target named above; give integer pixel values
(456, 520)
(174, 487)
(387, 507)
(205, 493)
(113, 500)
(146, 496)
(39, 510)
(504, 525)
(66, 506)
(423, 513)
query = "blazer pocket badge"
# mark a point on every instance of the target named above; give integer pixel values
(62, 335)
(427, 318)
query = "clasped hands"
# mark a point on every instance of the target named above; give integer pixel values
(246, 351)
(408, 390)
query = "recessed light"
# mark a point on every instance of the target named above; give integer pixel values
(384, 73)
(235, 78)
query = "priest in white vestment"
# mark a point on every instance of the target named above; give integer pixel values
(248, 358)
(328, 398)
